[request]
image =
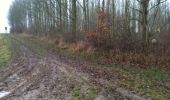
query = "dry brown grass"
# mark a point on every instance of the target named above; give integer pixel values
(139, 59)
(90, 50)
(62, 44)
(78, 47)
(81, 46)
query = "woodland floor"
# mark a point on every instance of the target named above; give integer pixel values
(30, 76)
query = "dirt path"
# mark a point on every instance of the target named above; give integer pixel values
(31, 77)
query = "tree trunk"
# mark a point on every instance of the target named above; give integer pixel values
(145, 34)
(85, 14)
(74, 20)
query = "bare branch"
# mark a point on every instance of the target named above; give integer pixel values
(139, 1)
(136, 20)
(156, 5)
(136, 9)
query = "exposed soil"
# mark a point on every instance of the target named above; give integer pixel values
(54, 77)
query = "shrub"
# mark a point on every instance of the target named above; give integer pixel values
(100, 38)
(80, 46)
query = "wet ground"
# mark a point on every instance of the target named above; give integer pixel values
(52, 77)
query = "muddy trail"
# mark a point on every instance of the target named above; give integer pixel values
(53, 77)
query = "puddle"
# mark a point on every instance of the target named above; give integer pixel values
(3, 93)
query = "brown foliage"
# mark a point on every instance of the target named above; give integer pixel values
(101, 36)
(78, 47)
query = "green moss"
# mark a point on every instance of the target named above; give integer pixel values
(157, 74)
(76, 93)
(146, 82)
(144, 85)
(111, 98)
(92, 93)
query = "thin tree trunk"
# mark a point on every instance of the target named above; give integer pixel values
(74, 20)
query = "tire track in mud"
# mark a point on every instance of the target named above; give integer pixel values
(31, 77)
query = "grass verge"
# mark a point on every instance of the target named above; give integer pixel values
(5, 50)
(84, 91)
(28, 41)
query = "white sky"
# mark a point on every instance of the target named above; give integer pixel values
(4, 7)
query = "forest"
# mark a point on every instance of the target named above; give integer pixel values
(86, 50)
(134, 27)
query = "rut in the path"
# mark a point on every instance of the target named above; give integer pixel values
(32, 77)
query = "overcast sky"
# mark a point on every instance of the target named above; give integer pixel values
(4, 7)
